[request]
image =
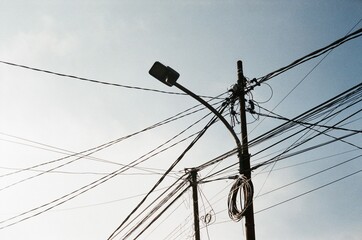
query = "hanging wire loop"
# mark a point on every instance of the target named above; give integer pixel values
(244, 184)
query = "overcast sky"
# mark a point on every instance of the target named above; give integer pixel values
(45, 117)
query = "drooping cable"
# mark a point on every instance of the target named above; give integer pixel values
(86, 79)
(93, 80)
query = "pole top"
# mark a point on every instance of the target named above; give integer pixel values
(240, 71)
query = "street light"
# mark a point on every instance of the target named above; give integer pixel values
(164, 74)
(169, 76)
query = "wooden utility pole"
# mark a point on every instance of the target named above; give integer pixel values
(245, 156)
(193, 183)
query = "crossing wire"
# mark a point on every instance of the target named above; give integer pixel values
(211, 122)
(310, 191)
(317, 53)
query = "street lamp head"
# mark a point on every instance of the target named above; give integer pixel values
(164, 74)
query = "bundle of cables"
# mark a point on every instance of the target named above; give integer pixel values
(246, 185)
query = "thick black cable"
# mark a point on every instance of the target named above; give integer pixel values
(163, 211)
(156, 208)
(87, 79)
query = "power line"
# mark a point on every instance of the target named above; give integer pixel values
(277, 116)
(50, 205)
(313, 160)
(156, 208)
(69, 154)
(307, 192)
(94, 80)
(85, 153)
(314, 125)
(310, 71)
(311, 175)
(351, 97)
(87, 79)
(348, 37)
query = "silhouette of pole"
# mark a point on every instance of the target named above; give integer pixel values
(193, 182)
(245, 156)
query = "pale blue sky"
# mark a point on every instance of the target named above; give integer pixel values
(118, 41)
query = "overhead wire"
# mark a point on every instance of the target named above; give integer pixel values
(87, 79)
(165, 219)
(181, 140)
(357, 131)
(277, 159)
(312, 160)
(311, 175)
(279, 117)
(202, 182)
(211, 122)
(283, 155)
(109, 202)
(54, 149)
(332, 115)
(178, 116)
(307, 192)
(349, 94)
(311, 125)
(50, 205)
(152, 153)
(68, 76)
(209, 217)
(154, 210)
(180, 230)
(259, 81)
(346, 38)
(94, 80)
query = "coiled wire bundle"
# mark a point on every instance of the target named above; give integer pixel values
(246, 185)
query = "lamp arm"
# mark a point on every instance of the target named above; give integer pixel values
(213, 110)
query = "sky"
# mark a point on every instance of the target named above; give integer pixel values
(46, 117)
